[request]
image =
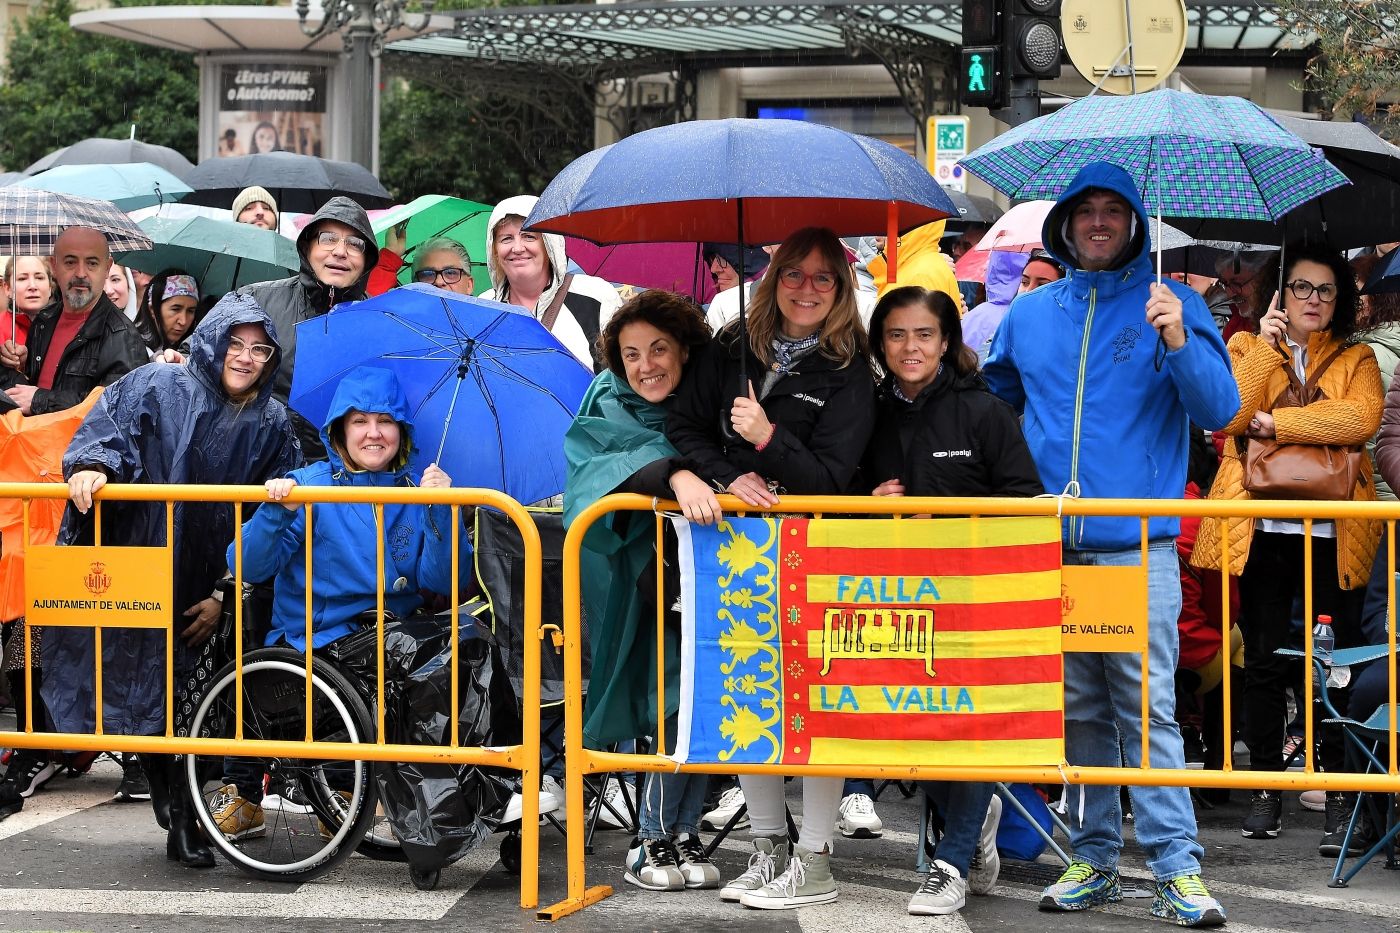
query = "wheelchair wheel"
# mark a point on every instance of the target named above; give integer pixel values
(425, 880)
(379, 842)
(510, 853)
(295, 843)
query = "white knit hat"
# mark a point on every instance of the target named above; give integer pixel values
(255, 193)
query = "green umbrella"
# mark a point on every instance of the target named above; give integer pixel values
(130, 186)
(435, 215)
(220, 254)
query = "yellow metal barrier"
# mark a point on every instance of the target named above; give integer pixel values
(524, 758)
(581, 761)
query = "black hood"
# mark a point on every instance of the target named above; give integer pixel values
(345, 211)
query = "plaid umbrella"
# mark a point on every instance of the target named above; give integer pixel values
(31, 221)
(1191, 155)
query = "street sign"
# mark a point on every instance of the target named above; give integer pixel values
(947, 138)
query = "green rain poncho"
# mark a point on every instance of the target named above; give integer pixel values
(617, 433)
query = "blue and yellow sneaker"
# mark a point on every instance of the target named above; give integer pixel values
(1187, 903)
(1081, 886)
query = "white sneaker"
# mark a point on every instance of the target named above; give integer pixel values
(551, 801)
(730, 803)
(654, 866)
(616, 812)
(858, 819)
(943, 892)
(986, 861)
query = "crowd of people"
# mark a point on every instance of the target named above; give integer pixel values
(840, 381)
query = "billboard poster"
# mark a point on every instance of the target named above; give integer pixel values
(271, 108)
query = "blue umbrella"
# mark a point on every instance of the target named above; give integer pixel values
(492, 391)
(130, 186)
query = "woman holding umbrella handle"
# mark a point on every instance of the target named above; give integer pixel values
(801, 429)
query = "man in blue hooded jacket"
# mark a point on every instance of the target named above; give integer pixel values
(1109, 370)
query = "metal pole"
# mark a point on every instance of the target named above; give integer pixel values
(359, 42)
(1023, 102)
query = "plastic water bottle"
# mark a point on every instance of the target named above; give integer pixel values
(1323, 643)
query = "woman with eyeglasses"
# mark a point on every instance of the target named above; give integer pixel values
(796, 423)
(445, 263)
(212, 421)
(1308, 329)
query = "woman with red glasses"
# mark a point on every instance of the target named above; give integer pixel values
(798, 424)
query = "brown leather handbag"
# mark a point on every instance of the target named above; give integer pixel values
(1281, 470)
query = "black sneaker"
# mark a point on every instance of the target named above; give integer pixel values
(1338, 812)
(26, 774)
(1265, 818)
(134, 785)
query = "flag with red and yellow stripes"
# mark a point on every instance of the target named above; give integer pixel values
(880, 641)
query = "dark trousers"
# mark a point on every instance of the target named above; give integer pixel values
(1272, 577)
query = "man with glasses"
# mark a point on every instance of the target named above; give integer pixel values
(337, 251)
(1234, 302)
(445, 263)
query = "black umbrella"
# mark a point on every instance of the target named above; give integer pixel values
(97, 151)
(300, 183)
(1363, 213)
(972, 209)
(1181, 253)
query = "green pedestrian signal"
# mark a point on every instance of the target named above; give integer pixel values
(982, 80)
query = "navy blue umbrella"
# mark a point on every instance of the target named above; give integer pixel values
(492, 392)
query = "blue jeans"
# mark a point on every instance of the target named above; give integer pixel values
(671, 805)
(963, 807)
(1103, 728)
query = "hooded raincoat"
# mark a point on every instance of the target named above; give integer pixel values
(1003, 282)
(417, 538)
(1080, 360)
(617, 444)
(921, 262)
(165, 423)
(302, 296)
(589, 302)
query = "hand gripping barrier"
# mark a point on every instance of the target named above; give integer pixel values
(581, 761)
(523, 758)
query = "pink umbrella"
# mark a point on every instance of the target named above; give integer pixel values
(676, 267)
(1017, 231)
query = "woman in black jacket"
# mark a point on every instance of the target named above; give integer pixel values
(939, 432)
(796, 425)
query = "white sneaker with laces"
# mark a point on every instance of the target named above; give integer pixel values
(616, 812)
(729, 803)
(943, 892)
(986, 861)
(806, 881)
(857, 818)
(551, 801)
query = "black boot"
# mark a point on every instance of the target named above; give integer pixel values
(183, 842)
(157, 768)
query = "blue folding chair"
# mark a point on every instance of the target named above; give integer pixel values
(1366, 739)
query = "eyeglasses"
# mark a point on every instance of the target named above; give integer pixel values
(260, 352)
(329, 239)
(451, 275)
(1302, 289)
(796, 278)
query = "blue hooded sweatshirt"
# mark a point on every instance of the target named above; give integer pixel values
(1076, 357)
(417, 538)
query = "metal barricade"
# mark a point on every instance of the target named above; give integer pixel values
(581, 761)
(524, 757)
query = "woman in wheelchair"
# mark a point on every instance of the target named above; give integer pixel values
(369, 440)
(212, 421)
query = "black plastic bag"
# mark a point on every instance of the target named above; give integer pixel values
(438, 812)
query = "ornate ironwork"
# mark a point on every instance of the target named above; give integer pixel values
(923, 69)
(372, 19)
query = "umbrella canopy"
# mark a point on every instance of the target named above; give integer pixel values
(972, 209)
(1016, 231)
(31, 221)
(1190, 155)
(750, 181)
(98, 151)
(130, 186)
(1363, 213)
(300, 183)
(676, 267)
(9, 178)
(220, 254)
(1184, 253)
(492, 392)
(435, 215)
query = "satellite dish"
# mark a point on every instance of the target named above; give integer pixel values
(1097, 37)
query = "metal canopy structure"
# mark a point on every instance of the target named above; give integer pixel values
(598, 49)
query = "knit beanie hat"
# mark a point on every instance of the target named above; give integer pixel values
(255, 193)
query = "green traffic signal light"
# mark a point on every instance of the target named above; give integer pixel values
(981, 79)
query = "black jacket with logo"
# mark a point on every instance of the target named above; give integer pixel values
(103, 350)
(954, 439)
(822, 413)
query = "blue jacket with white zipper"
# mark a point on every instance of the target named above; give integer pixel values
(1106, 408)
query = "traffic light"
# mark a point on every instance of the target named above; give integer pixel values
(982, 81)
(1031, 33)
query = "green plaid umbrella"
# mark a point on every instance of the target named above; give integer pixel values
(1191, 155)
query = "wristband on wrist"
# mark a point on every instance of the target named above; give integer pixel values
(772, 429)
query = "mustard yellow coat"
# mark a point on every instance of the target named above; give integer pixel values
(1350, 414)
